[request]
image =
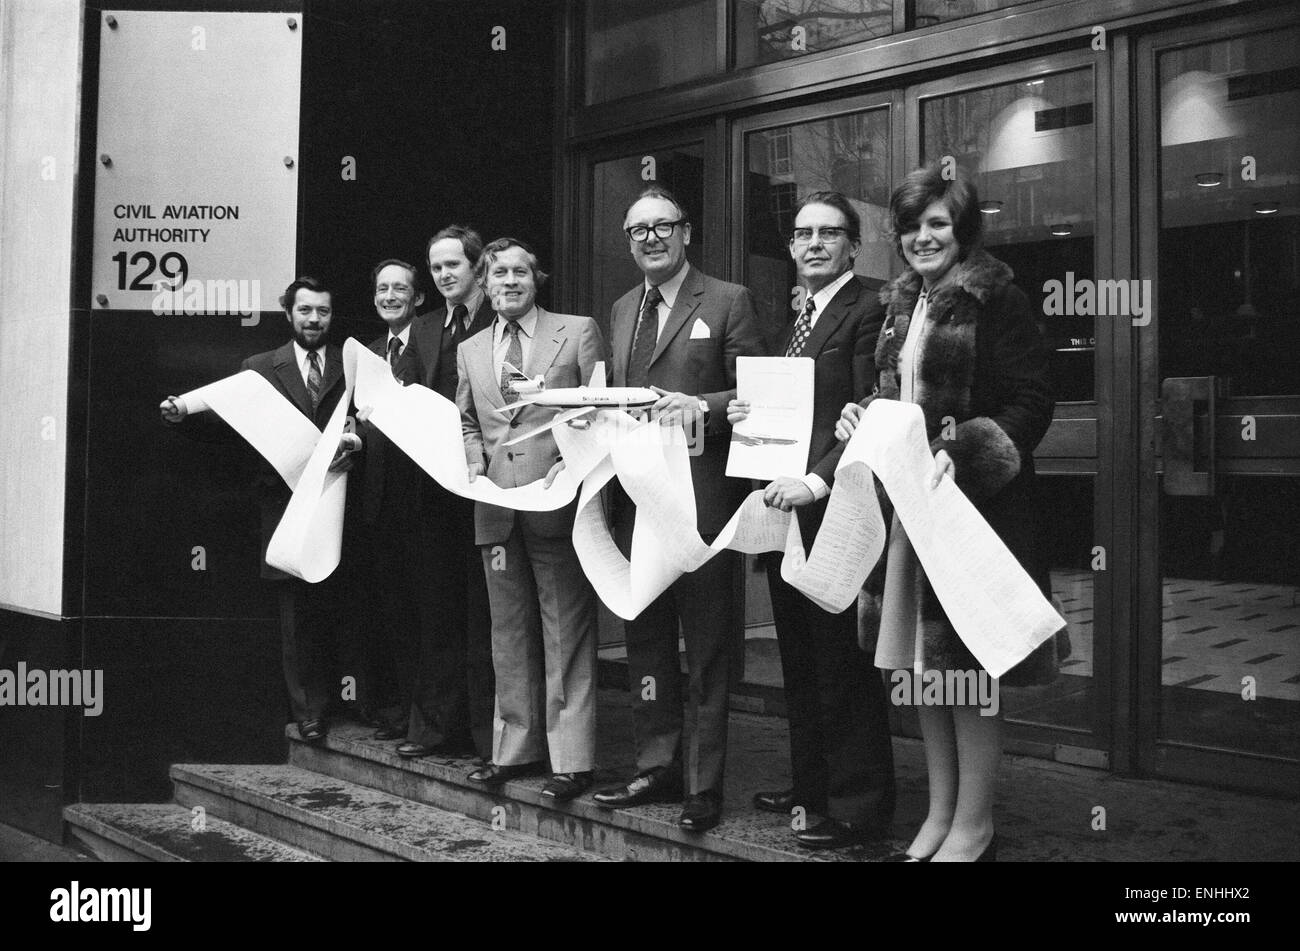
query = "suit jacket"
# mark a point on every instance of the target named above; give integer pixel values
(565, 349)
(280, 368)
(389, 478)
(843, 346)
(698, 366)
(440, 374)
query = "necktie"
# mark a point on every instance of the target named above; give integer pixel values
(313, 377)
(514, 356)
(458, 323)
(644, 339)
(394, 353)
(802, 330)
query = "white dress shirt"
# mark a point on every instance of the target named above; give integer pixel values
(471, 307)
(668, 291)
(501, 340)
(304, 365)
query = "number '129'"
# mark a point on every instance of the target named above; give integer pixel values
(172, 266)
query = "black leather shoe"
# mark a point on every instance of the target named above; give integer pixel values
(494, 775)
(700, 813)
(415, 750)
(565, 786)
(907, 857)
(834, 834)
(312, 731)
(390, 731)
(658, 785)
(781, 802)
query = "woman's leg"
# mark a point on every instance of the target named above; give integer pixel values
(941, 764)
(979, 750)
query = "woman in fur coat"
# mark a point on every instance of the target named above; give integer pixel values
(958, 340)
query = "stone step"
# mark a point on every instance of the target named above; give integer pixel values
(645, 833)
(342, 821)
(165, 832)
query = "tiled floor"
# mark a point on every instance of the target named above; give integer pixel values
(1214, 634)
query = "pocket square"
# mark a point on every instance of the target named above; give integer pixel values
(700, 330)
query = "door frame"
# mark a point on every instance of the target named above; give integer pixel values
(1153, 756)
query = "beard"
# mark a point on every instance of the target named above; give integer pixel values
(305, 343)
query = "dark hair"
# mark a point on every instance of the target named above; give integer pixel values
(501, 244)
(924, 186)
(658, 191)
(415, 275)
(839, 203)
(469, 239)
(303, 283)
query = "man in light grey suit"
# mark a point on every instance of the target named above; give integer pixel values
(543, 607)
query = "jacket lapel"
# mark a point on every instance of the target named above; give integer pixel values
(286, 371)
(478, 360)
(624, 320)
(689, 296)
(548, 338)
(831, 318)
(426, 336)
(333, 370)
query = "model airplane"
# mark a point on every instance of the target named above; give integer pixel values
(574, 401)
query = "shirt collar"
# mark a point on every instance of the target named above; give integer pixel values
(527, 324)
(301, 353)
(827, 294)
(669, 288)
(471, 308)
(404, 336)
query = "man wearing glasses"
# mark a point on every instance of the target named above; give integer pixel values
(841, 758)
(680, 332)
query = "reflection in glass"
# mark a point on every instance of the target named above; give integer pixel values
(637, 46)
(770, 30)
(1031, 149)
(1229, 307)
(848, 154)
(616, 184)
(930, 12)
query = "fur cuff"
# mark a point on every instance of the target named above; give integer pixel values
(984, 456)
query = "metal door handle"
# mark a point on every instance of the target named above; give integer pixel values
(1179, 397)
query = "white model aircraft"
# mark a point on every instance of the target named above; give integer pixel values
(574, 401)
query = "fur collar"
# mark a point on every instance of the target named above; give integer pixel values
(977, 279)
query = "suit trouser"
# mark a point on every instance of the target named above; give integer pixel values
(480, 678)
(308, 615)
(704, 606)
(543, 651)
(841, 756)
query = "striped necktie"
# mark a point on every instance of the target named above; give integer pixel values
(313, 377)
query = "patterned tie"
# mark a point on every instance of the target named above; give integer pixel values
(313, 377)
(644, 339)
(458, 323)
(802, 330)
(394, 353)
(514, 356)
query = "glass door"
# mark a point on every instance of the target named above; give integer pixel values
(1219, 572)
(1030, 136)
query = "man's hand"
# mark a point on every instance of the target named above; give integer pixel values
(363, 413)
(674, 408)
(943, 466)
(348, 444)
(850, 416)
(737, 411)
(550, 476)
(475, 470)
(787, 493)
(173, 409)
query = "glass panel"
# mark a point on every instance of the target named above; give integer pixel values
(637, 46)
(767, 31)
(848, 154)
(1031, 149)
(930, 12)
(1229, 297)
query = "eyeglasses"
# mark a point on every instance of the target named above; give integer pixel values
(663, 230)
(827, 235)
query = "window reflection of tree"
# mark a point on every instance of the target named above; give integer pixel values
(827, 24)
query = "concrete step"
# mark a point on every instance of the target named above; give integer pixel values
(343, 821)
(644, 833)
(165, 832)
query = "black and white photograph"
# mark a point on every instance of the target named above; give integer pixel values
(385, 385)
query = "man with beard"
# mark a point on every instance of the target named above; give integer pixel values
(309, 373)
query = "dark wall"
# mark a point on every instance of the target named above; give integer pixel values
(442, 129)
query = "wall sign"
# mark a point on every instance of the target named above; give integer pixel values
(196, 182)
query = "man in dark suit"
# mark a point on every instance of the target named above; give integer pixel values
(680, 332)
(543, 606)
(419, 643)
(840, 752)
(309, 374)
(453, 255)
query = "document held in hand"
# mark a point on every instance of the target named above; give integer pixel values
(774, 440)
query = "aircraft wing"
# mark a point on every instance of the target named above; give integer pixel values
(561, 418)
